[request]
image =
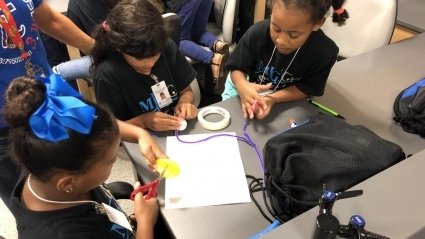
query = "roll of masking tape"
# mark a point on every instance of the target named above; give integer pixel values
(213, 125)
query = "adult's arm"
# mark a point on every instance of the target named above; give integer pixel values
(55, 24)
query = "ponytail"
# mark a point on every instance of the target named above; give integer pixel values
(340, 14)
(101, 48)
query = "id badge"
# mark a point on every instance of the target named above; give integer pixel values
(117, 216)
(161, 94)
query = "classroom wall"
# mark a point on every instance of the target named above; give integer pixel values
(58, 5)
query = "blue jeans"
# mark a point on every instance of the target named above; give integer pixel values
(73, 69)
(9, 171)
(194, 17)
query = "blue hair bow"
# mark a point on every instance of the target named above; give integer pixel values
(61, 109)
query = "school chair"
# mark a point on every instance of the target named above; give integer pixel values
(226, 15)
(172, 26)
(370, 25)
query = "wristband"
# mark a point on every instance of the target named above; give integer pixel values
(213, 125)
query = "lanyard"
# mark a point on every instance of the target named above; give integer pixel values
(155, 78)
(13, 35)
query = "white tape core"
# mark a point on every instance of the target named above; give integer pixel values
(183, 125)
(213, 125)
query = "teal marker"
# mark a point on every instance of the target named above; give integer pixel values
(326, 109)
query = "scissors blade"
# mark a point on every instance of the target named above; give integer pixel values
(161, 175)
(153, 191)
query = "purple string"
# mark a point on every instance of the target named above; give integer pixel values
(247, 139)
(253, 145)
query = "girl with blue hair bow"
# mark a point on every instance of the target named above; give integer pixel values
(67, 147)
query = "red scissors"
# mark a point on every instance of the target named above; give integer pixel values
(150, 189)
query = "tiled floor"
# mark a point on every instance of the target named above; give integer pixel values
(121, 171)
(7, 223)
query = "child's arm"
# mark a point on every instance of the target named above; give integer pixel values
(57, 25)
(185, 108)
(290, 93)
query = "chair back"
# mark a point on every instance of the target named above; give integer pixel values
(226, 19)
(172, 26)
(196, 92)
(370, 25)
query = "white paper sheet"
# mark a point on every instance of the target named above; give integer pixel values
(211, 172)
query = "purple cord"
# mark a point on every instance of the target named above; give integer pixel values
(253, 145)
(247, 139)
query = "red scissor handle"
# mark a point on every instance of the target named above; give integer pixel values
(149, 189)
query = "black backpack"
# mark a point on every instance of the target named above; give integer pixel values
(324, 150)
(409, 108)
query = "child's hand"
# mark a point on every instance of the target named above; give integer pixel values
(186, 111)
(145, 211)
(264, 110)
(159, 121)
(250, 99)
(149, 148)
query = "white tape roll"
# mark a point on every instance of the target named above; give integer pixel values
(213, 125)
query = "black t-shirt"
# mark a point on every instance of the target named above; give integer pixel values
(86, 14)
(129, 94)
(82, 221)
(310, 67)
